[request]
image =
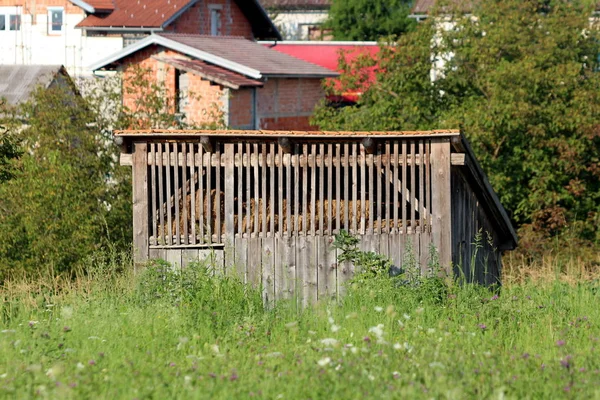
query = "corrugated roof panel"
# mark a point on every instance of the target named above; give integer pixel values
(17, 82)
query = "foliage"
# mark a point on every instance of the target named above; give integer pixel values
(368, 263)
(54, 208)
(521, 81)
(90, 339)
(369, 19)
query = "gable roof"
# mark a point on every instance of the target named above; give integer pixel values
(17, 82)
(297, 4)
(235, 54)
(155, 15)
(422, 7)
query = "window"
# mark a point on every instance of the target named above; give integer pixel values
(15, 23)
(55, 20)
(215, 19)
(2, 23)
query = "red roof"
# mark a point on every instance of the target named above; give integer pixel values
(327, 54)
(137, 13)
(101, 5)
(212, 72)
(296, 4)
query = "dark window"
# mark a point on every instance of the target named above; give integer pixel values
(2, 23)
(15, 22)
(56, 18)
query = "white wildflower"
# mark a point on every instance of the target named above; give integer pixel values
(4, 375)
(430, 331)
(335, 328)
(331, 320)
(378, 309)
(401, 324)
(312, 332)
(329, 342)
(420, 310)
(187, 379)
(66, 312)
(406, 317)
(215, 348)
(275, 354)
(371, 377)
(397, 346)
(8, 331)
(354, 350)
(93, 338)
(80, 366)
(436, 364)
(339, 366)
(324, 361)
(292, 324)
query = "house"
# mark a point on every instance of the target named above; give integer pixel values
(328, 54)
(18, 82)
(299, 19)
(227, 79)
(77, 33)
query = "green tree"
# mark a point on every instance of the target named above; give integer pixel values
(369, 19)
(9, 145)
(521, 80)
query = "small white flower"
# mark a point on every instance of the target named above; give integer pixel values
(371, 377)
(420, 310)
(436, 364)
(378, 309)
(430, 331)
(215, 348)
(397, 346)
(324, 361)
(66, 312)
(406, 317)
(275, 354)
(292, 324)
(377, 330)
(93, 338)
(329, 342)
(187, 379)
(401, 324)
(8, 331)
(331, 321)
(339, 366)
(80, 366)
(354, 350)
(312, 332)
(4, 375)
(335, 328)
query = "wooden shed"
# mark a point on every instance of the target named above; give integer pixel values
(267, 204)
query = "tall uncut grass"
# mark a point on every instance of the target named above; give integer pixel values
(162, 334)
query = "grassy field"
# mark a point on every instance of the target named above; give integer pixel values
(162, 335)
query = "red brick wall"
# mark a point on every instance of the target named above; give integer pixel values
(204, 101)
(240, 109)
(196, 20)
(286, 103)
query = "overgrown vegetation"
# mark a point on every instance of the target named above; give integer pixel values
(520, 78)
(198, 335)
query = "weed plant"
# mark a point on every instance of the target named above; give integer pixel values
(195, 334)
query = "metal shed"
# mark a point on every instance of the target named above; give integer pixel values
(266, 205)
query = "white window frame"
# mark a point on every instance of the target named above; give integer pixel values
(215, 13)
(11, 11)
(51, 31)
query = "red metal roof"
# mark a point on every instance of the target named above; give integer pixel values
(327, 54)
(101, 5)
(212, 73)
(296, 4)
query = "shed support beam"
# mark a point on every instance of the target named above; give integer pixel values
(141, 215)
(441, 204)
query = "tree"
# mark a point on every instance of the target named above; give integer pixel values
(9, 144)
(521, 80)
(369, 19)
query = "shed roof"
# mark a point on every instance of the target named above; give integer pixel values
(425, 6)
(155, 15)
(236, 54)
(17, 82)
(276, 134)
(212, 73)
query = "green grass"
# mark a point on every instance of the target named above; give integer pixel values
(163, 335)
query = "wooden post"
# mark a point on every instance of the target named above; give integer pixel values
(140, 202)
(229, 194)
(440, 201)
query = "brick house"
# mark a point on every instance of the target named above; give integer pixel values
(239, 81)
(77, 33)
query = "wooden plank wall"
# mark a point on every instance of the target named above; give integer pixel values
(475, 243)
(270, 212)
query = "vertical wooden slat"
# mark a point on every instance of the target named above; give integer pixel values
(428, 185)
(338, 187)
(256, 229)
(263, 193)
(413, 189)
(389, 209)
(209, 218)
(161, 197)
(397, 198)
(321, 189)
(169, 194)
(354, 189)
(329, 185)
(229, 191)
(441, 204)
(176, 193)
(370, 182)
(218, 193)
(153, 205)
(305, 188)
(346, 186)
(248, 189)
(404, 200)
(240, 189)
(379, 193)
(281, 209)
(288, 193)
(193, 175)
(363, 189)
(140, 201)
(184, 193)
(313, 189)
(273, 190)
(297, 185)
(421, 186)
(201, 194)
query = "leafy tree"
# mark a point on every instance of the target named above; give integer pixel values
(521, 80)
(369, 19)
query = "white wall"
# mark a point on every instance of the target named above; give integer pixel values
(32, 44)
(293, 25)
